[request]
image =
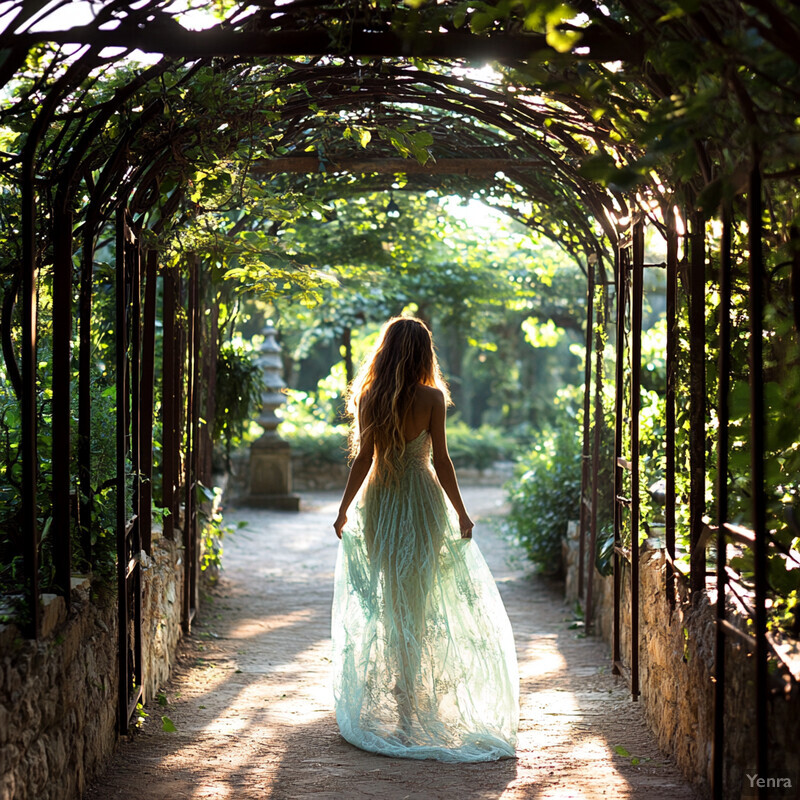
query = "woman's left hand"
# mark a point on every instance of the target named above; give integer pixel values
(341, 521)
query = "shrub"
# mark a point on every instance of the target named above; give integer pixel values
(103, 473)
(308, 432)
(545, 495)
(238, 393)
(307, 424)
(326, 443)
(478, 447)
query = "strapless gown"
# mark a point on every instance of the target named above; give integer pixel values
(424, 664)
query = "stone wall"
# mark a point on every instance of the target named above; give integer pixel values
(58, 699)
(315, 475)
(58, 694)
(309, 475)
(676, 658)
(162, 584)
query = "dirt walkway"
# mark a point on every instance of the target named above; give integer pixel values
(252, 706)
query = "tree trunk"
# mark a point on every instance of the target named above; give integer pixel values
(347, 344)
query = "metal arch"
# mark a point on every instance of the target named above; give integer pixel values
(669, 403)
(723, 392)
(590, 479)
(129, 565)
(629, 277)
(758, 447)
(586, 506)
(28, 401)
(191, 555)
(696, 247)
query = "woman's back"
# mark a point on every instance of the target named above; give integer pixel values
(418, 417)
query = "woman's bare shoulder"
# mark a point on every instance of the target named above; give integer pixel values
(429, 395)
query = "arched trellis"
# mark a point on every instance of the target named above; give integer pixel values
(123, 190)
(130, 171)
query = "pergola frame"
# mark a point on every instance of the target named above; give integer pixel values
(124, 190)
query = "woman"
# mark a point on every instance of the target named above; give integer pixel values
(424, 660)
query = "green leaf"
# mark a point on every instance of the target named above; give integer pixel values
(203, 493)
(739, 401)
(621, 751)
(559, 13)
(680, 8)
(563, 41)
(422, 139)
(600, 167)
(783, 575)
(168, 725)
(709, 199)
(480, 21)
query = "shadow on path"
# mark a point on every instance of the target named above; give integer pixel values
(252, 705)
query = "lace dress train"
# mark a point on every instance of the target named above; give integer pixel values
(424, 664)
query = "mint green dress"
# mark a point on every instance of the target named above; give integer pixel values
(424, 664)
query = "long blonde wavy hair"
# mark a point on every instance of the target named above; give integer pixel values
(382, 393)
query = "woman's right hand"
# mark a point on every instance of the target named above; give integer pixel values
(466, 525)
(341, 521)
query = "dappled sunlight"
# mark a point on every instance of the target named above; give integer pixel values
(574, 792)
(542, 658)
(253, 705)
(260, 704)
(577, 727)
(550, 715)
(232, 723)
(216, 791)
(591, 755)
(258, 626)
(592, 748)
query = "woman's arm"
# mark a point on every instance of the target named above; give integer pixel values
(443, 465)
(359, 470)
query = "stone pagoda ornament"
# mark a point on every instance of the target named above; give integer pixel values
(270, 483)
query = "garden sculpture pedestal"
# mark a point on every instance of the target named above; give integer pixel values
(270, 456)
(271, 475)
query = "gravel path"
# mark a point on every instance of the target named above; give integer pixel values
(252, 707)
